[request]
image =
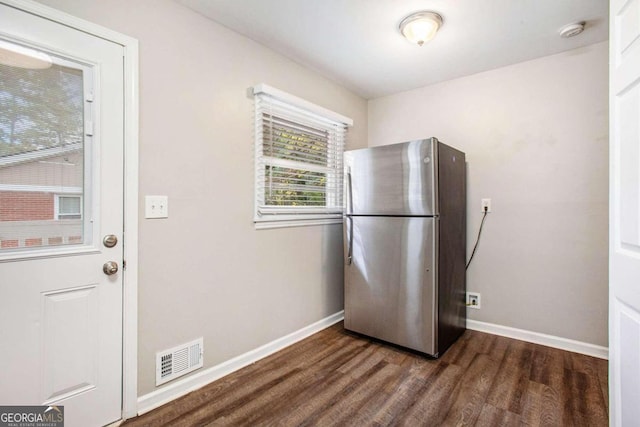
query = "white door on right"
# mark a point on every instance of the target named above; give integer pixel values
(624, 232)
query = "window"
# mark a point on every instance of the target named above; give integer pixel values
(45, 151)
(299, 150)
(68, 207)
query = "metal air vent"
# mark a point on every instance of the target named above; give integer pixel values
(178, 361)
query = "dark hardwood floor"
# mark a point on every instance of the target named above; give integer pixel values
(335, 378)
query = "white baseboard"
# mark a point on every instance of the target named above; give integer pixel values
(538, 338)
(198, 380)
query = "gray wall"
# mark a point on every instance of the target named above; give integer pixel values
(205, 271)
(536, 138)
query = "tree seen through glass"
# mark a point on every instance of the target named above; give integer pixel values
(39, 108)
(290, 186)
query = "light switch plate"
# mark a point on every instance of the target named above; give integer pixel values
(156, 207)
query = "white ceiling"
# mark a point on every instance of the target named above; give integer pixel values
(357, 43)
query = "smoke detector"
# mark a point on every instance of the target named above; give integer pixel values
(572, 30)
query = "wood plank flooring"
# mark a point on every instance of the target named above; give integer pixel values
(335, 378)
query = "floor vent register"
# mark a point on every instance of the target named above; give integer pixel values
(179, 361)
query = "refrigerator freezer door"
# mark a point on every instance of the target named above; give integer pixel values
(393, 179)
(389, 285)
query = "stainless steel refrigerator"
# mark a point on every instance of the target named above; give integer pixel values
(405, 244)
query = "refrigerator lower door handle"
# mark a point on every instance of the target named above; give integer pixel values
(350, 241)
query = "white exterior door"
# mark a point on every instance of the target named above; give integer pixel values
(624, 251)
(61, 193)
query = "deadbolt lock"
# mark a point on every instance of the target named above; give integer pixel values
(110, 240)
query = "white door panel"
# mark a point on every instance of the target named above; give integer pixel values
(60, 314)
(624, 233)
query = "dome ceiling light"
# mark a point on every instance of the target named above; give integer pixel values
(420, 27)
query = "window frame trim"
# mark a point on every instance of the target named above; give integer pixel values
(297, 219)
(301, 103)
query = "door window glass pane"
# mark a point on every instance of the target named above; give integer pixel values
(42, 149)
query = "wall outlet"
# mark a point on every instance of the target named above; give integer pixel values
(473, 300)
(485, 203)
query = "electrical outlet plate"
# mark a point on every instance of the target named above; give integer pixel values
(473, 300)
(485, 203)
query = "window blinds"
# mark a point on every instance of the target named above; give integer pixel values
(298, 159)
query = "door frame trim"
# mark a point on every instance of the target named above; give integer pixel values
(131, 125)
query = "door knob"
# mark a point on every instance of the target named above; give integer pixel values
(110, 267)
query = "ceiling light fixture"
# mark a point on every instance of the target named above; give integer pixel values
(420, 27)
(15, 55)
(571, 30)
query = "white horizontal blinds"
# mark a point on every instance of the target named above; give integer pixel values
(299, 160)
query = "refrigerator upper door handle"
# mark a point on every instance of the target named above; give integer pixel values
(349, 193)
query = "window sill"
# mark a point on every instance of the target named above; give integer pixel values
(288, 223)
